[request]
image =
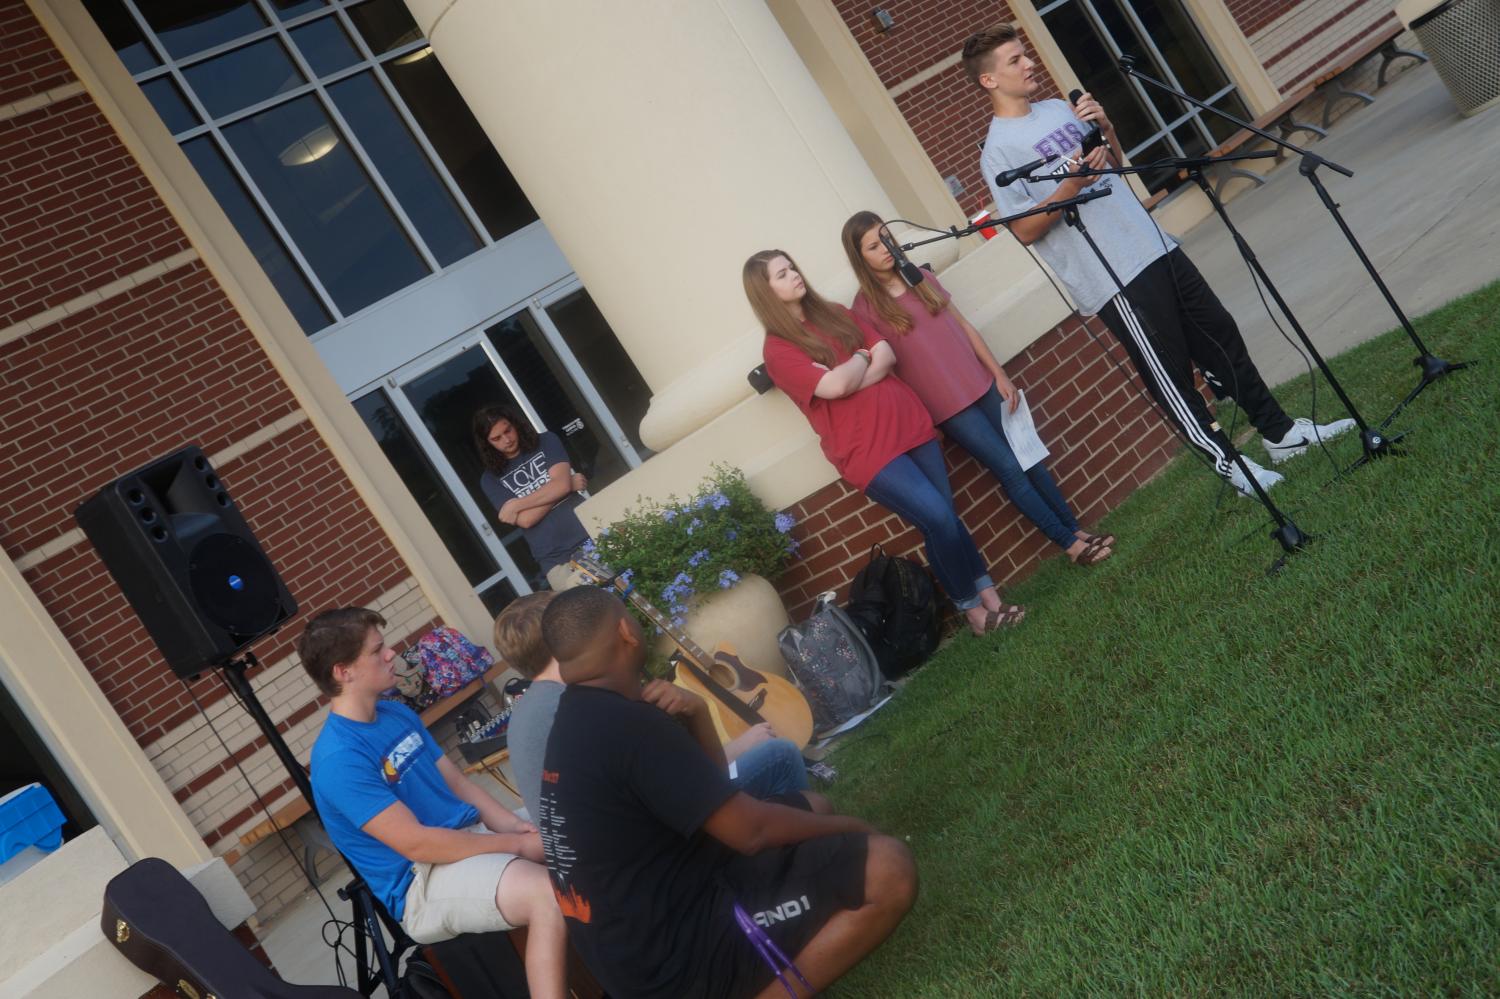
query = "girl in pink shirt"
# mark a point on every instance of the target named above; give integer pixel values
(950, 367)
(873, 428)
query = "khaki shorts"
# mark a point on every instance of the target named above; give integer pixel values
(445, 900)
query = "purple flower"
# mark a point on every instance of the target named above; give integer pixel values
(719, 501)
(697, 557)
(731, 534)
(792, 545)
(700, 502)
(669, 515)
(728, 578)
(785, 522)
(589, 548)
(694, 525)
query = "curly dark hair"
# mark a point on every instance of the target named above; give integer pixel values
(484, 421)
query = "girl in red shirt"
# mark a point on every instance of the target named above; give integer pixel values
(964, 389)
(873, 428)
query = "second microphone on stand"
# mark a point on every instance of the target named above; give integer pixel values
(910, 272)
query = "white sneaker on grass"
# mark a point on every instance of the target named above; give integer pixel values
(1304, 434)
(1264, 476)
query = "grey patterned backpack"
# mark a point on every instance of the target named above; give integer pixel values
(833, 665)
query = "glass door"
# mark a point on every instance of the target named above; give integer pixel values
(422, 414)
(1160, 35)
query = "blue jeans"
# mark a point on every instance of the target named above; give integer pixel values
(773, 767)
(977, 430)
(914, 486)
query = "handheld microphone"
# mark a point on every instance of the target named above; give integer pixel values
(910, 272)
(1091, 135)
(1005, 178)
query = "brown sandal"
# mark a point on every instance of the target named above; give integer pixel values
(1006, 617)
(1108, 539)
(1095, 550)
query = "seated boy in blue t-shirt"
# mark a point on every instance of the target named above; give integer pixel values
(443, 856)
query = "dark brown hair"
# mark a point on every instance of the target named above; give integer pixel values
(518, 633)
(484, 421)
(335, 638)
(779, 320)
(887, 311)
(979, 47)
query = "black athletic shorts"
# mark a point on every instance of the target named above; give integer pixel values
(791, 891)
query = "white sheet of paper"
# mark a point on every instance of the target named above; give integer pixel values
(1021, 435)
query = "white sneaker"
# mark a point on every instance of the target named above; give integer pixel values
(1303, 434)
(1264, 476)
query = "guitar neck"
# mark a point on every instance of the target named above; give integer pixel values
(689, 648)
(694, 658)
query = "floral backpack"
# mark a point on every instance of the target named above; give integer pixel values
(450, 660)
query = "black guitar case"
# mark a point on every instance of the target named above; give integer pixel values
(162, 925)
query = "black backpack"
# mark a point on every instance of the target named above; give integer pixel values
(893, 602)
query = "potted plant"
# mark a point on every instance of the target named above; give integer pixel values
(704, 562)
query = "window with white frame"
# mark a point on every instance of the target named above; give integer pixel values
(329, 134)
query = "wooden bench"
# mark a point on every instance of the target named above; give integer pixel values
(1281, 117)
(297, 808)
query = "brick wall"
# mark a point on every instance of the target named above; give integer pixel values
(117, 346)
(1105, 441)
(918, 62)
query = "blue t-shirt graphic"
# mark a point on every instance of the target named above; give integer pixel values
(359, 769)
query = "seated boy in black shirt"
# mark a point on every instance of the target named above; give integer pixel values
(650, 849)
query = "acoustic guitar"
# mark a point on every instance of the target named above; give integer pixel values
(738, 696)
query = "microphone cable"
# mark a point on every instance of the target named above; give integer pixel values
(333, 920)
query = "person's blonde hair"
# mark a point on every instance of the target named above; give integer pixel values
(778, 320)
(887, 310)
(518, 634)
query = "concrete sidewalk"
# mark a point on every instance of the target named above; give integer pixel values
(1424, 202)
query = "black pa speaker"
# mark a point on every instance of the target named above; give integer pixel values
(188, 563)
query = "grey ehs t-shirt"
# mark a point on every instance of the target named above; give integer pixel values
(1119, 223)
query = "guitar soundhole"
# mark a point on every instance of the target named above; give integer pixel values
(724, 675)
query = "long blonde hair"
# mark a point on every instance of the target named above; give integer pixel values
(779, 321)
(890, 314)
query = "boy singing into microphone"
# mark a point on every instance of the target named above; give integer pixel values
(1168, 319)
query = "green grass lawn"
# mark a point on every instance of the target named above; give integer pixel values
(1184, 776)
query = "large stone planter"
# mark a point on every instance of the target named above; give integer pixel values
(749, 615)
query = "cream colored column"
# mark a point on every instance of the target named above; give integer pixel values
(662, 144)
(84, 734)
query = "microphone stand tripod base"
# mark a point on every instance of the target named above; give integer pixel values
(1290, 536)
(1433, 368)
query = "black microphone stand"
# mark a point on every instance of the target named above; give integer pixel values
(1286, 532)
(1432, 367)
(1375, 443)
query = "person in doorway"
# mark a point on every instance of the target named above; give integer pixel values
(759, 764)
(1167, 318)
(873, 428)
(441, 854)
(631, 804)
(529, 480)
(946, 362)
